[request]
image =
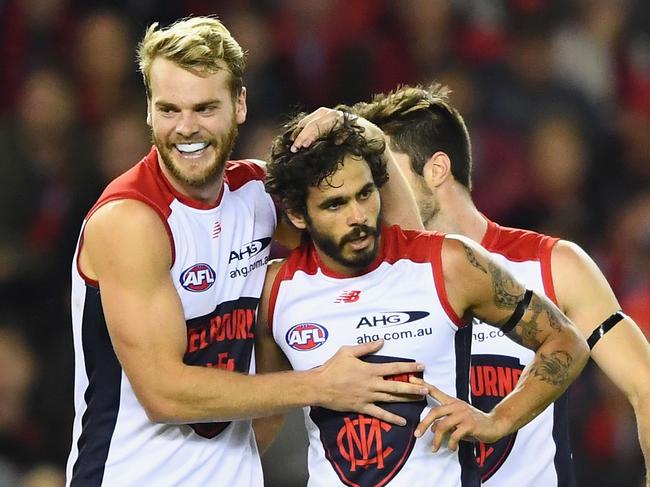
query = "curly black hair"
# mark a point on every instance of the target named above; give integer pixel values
(290, 175)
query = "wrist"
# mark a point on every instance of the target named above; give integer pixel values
(315, 392)
(502, 421)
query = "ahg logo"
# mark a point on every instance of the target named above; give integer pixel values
(197, 278)
(392, 318)
(306, 336)
(249, 250)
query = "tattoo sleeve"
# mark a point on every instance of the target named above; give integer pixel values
(507, 292)
(471, 256)
(527, 331)
(553, 368)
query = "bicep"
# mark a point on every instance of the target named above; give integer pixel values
(623, 352)
(478, 286)
(582, 291)
(128, 249)
(496, 297)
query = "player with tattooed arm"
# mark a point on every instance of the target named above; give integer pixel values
(428, 137)
(354, 280)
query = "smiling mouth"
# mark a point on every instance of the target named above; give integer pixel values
(194, 149)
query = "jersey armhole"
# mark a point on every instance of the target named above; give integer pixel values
(275, 287)
(439, 281)
(545, 251)
(116, 197)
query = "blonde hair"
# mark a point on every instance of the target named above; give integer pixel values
(200, 44)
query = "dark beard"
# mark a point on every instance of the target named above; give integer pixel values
(362, 259)
(223, 149)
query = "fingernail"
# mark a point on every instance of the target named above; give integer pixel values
(294, 149)
(420, 367)
(402, 422)
(417, 433)
(424, 391)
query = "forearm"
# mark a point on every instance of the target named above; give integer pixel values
(398, 202)
(557, 363)
(200, 394)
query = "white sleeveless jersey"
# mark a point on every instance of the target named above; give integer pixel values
(219, 262)
(539, 454)
(402, 300)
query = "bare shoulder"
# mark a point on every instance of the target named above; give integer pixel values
(124, 231)
(123, 215)
(575, 273)
(272, 270)
(468, 274)
(460, 253)
(566, 253)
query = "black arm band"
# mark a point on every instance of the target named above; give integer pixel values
(518, 313)
(604, 327)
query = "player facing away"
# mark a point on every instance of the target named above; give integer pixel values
(428, 137)
(354, 280)
(166, 281)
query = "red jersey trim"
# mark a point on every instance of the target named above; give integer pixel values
(414, 245)
(439, 280)
(186, 200)
(545, 251)
(240, 172)
(126, 195)
(275, 287)
(514, 244)
(91, 282)
(518, 245)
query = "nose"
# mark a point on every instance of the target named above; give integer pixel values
(357, 214)
(187, 124)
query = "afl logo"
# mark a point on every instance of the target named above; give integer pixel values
(306, 336)
(197, 278)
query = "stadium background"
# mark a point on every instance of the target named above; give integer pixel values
(556, 95)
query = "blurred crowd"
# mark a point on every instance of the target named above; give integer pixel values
(556, 94)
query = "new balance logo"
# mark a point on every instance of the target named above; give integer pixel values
(348, 297)
(216, 229)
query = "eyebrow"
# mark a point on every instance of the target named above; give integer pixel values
(339, 200)
(197, 106)
(367, 187)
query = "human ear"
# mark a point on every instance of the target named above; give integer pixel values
(298, 220)
(241, 109)
(437, 169)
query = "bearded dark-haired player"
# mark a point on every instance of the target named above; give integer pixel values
(354, 280)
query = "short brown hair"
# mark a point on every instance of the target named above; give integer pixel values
(200, 44)
(420, 121)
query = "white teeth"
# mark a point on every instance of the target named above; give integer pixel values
(189, 148)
